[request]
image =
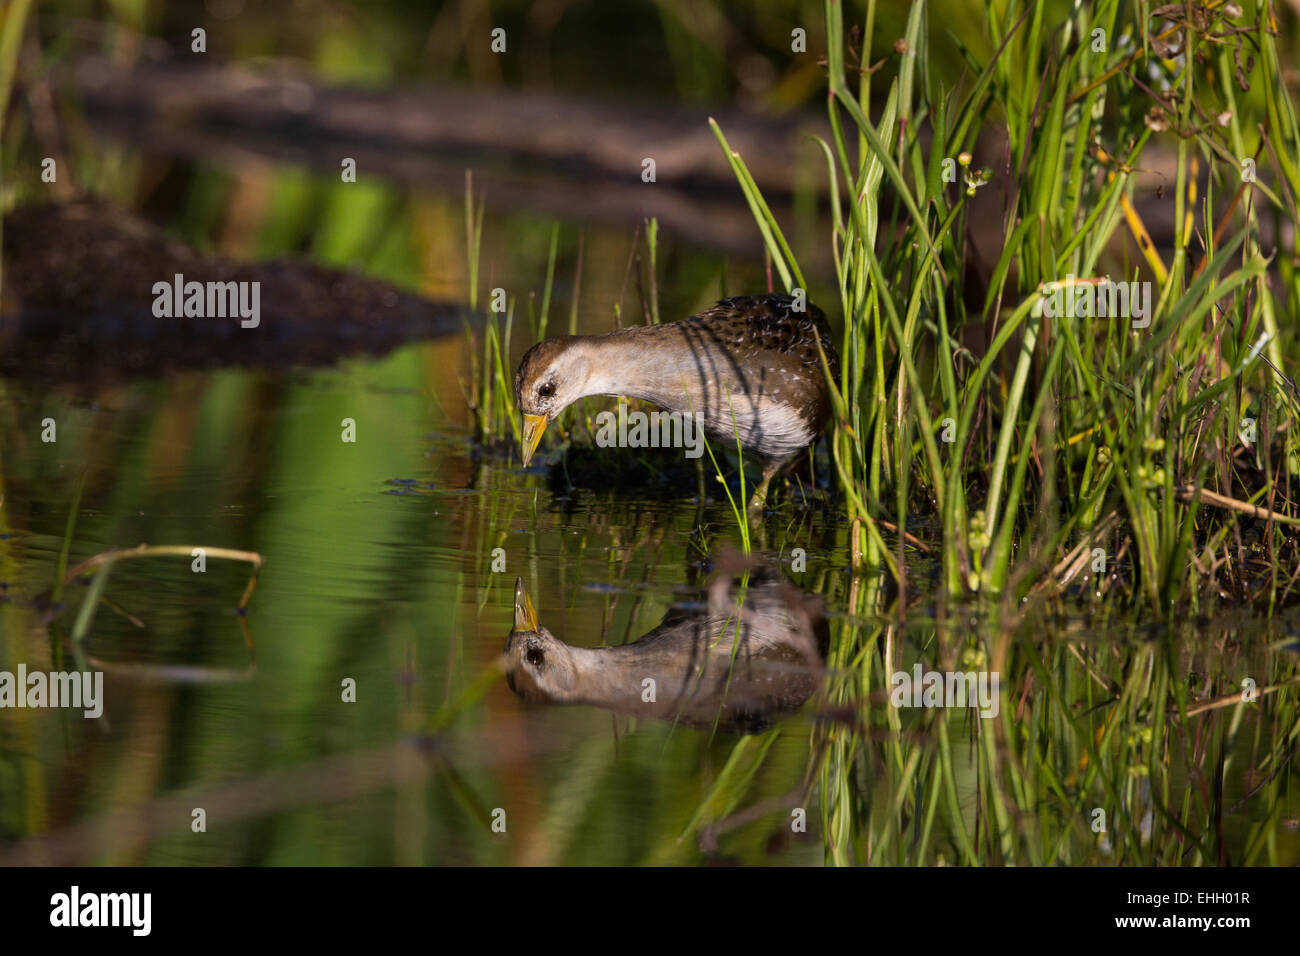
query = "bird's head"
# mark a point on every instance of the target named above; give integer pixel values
(539, 666)
(552, 375)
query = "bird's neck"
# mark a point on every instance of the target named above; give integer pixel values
(626, 363)
(614, 677)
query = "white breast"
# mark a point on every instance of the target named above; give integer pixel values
(773, 429)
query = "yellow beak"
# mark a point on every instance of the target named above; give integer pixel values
(525, 613)
(534, 425)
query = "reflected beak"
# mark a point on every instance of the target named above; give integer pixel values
(525, 613)
(534, 425)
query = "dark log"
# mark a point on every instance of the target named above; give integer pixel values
(79, 303)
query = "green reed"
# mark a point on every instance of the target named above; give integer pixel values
(1063, 454)
(1014, 451)
(12, 24)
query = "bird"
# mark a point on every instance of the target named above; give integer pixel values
(750, 366)
(731, 664)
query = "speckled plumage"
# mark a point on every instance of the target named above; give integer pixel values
(751, 357)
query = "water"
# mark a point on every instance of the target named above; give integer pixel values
(379, 569)
(353, 715)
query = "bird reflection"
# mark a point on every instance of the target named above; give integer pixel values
(754, 649)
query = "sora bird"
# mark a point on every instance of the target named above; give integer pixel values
(731, 664)
(749, 366)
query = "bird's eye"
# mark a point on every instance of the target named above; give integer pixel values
(535, 656)
(546, 390)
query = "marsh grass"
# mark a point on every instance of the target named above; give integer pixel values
(1057, 442)
(1064, 435)
(490, 394)
(1019, 451)
(11, 35)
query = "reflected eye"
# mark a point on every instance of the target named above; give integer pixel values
(546, 390)
(535, 656)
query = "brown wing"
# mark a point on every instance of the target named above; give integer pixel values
(769, 323)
